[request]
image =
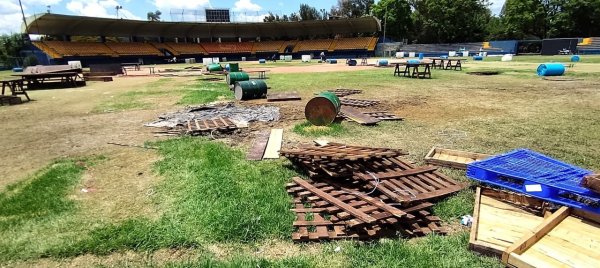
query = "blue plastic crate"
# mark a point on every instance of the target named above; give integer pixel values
(535, 174)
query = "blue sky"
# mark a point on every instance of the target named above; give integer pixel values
(244, 10)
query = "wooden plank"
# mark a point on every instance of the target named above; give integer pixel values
(283, 96)
(358, 117)
(452, 158)
(258, 147)
(274, 144)
(540, 231)
(334, 201)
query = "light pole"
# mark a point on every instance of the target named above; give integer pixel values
(117, 8)
(384, 23)
(23, 13)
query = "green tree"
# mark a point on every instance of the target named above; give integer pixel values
(154, 16)
(10, 46)
(524, 19)
(294, 17)
(352, 8)
(573, 18)
(450, 21)
(397, 16)
(309, 13)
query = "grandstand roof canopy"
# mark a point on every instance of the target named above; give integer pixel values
(55, 24)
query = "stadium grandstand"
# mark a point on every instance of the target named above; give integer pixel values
(119, 40)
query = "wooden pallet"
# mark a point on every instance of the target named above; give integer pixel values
(283, 96)
(338, 213)
(497, 224)
(358, 116)
(567, 238)
(337, 151)
(384, 116)
(358, 103)
(343, 92)
(407, 184)
(200, 126)
(452, 158)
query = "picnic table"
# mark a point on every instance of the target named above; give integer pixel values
(136, 65)
(437, 62)
(262, 74)
(38, 79)
(412, 70)
(15, 85)
(457, 66)
(447, 63)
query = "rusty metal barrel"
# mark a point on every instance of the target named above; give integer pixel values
(252, 89)
(322, 109)
(234, 77)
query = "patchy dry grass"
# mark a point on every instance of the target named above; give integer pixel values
(207, 206)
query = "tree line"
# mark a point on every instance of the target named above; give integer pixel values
(451, 21)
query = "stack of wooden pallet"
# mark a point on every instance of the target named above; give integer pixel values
(364, 193)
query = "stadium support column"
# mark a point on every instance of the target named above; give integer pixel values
(103, 39)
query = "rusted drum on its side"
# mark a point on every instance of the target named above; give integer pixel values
(322, 109)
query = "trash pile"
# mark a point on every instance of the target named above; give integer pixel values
(215, 117)
(363, 193)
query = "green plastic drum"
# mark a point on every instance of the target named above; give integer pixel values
(234, 67)
(214, 67)
(322, 109)
(252, 89)
(234, 77)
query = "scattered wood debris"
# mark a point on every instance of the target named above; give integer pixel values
(452, 158)
(382, 115)
(364, 193)
(198, 127)
(358, 103)
(274, 144)
(258, 147)
(358, 116)
(343, 92)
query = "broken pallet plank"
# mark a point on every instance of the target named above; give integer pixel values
(259, 146)
(274, 144)
(358, 116)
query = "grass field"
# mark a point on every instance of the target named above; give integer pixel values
(67, 198)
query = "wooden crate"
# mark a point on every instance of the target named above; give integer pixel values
(497, 224)
(567, 238)
(452, 158)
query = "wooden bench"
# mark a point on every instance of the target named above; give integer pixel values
(16, 87)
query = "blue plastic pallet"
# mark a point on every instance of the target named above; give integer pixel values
(535, 174)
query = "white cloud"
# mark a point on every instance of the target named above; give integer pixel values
(166, 5)
(10, 23)
(246, 5)
(10, 16)
(242, 17)
(99, 8)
